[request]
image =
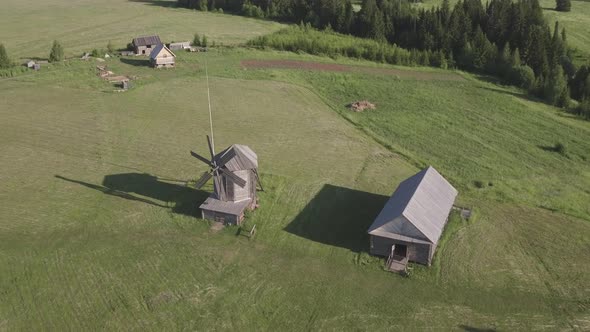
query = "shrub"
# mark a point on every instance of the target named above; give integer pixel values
(560, 148)
(110, 47)
(57, 52)
(197, 40)
(522, 76)
(4, 60)
(563, 5)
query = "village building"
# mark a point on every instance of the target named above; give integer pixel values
(145, 45)
(162, 57)
(412, 221)
(179, 46)
(230, 200)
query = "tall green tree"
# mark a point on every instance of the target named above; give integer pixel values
(4, 59)
(563, 5)
(555, 89)
(57, 52)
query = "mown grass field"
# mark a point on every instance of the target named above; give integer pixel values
(94, 235)
(28, 28)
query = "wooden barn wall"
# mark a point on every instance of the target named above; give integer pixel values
(417, 252)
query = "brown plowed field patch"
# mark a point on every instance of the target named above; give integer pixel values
(308, 65)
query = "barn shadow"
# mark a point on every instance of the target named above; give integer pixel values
(338, 216)
(136, 62)
(149, 189)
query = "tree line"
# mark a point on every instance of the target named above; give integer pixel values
(505, 38)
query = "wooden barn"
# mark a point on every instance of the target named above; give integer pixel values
(229, 201)
(145, 45)
(412, 221)
(162, 57)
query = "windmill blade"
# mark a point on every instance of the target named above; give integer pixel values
(227, 156)
(211, 148)
(204, 178)
(233, 178)
(201, 158)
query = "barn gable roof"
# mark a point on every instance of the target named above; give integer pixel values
(159, 50)
(418, 209)
(244, 158)
(147, 40)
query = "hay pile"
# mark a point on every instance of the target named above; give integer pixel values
(360, 106)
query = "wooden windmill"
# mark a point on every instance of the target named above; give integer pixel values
(235, 181)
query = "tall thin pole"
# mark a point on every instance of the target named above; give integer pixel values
(209, 101)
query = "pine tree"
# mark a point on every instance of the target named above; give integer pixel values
(555, 88)
(563, 5)
(204, 41)
(197, 40)
(4, 59)
(515, 58)
(57, 52)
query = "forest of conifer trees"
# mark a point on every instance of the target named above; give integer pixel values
(505, 38)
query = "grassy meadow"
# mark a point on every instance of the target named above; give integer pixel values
(28, 28)
(99, 232)
(96, 234)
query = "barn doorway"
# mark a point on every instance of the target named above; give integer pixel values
(400, 250)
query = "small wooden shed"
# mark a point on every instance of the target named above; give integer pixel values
(162, 57)
(179, 46)
(145, 45)
(412, 221)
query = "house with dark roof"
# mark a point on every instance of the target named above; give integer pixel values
(230, 200)
(162, 57)
(144, 45)
(410, 224)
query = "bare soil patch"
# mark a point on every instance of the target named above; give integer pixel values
(309, 65)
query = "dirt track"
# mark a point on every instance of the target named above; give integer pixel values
(307, 65)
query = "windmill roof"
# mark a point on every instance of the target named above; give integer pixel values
(147, 40)
(418, 209)
(244, 158)
(159, 49)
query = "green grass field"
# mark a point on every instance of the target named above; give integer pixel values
(28, 28)
(95, 233)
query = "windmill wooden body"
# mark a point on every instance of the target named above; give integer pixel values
(235, 182)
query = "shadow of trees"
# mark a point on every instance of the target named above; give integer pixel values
(159, 3)
(475, 329)
(149, 189)
(339, 217)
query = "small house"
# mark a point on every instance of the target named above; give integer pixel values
(31, 64)
(145, 45)
(162, 57)
(412, 221)
(179, 46)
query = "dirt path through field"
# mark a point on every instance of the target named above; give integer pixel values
(308, 65)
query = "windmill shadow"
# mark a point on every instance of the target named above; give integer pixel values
(338, 217)
(149, 189)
